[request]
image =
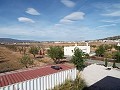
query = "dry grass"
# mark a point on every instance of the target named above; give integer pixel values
(9, 60)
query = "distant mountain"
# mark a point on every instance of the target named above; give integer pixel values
(111, 38)
(10, 40)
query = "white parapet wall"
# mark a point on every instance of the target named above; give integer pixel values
(44, 82)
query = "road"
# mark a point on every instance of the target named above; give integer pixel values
(101, 62)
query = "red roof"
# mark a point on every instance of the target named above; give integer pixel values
(23, 75)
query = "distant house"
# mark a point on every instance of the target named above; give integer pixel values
(42, 78)
(69, 51)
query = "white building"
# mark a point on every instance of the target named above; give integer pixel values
(69, 51)
(118, 44)
(42, 78)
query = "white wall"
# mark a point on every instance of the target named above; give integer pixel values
(44, 82)
(69, 51)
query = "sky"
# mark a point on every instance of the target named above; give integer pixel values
(59, 20)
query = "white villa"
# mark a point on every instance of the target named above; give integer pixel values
(69, 51)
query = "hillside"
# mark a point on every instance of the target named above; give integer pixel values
(112, 38)
(9, 40)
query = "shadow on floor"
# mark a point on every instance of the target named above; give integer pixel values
(107, 83)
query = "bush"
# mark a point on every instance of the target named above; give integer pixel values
(26, 61)
(77, 84)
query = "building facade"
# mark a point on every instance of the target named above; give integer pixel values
(43, 78)
(69, 51)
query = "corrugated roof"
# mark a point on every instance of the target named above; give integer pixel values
(23, 75)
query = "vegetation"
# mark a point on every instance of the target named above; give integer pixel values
(56, 53)
(77, 84)
(114, 65)
(106, 62)
(33, 50)
(86, 56)
(20, 49)
(108, 55)
(26, 61)
(78, 59)
(11, 47)
(117, 56)
(117, 48)
(100, 51)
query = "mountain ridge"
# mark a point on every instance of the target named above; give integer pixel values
(10, 40)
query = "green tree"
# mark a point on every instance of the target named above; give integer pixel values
(117, 48)
(117, 56)
(56, 53)
(100, 51)
(114, 65)
(33, 50)
(106, 62)
(78, 59)
(26, 61)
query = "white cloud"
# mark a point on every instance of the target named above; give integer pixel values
(26, 20)
(75, 16)
(32, 11)
(65, 21)
(111, 21)
(115, 13)
(106, 25)
(68, 3)
(108, 21)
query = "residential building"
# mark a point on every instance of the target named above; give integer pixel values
(69, 51)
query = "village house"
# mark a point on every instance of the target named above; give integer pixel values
(69, 51)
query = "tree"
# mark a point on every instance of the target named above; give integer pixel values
(26, 61)
(78, 59)
(106, 62)
(20, 49)
(100, 51)
(114, 65)
(117, 56)
(117, 48)
(56, 53)
(33, 50)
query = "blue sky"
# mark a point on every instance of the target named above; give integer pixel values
(59, 20)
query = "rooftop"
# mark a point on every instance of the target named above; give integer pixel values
(100, 76)
(30, 73)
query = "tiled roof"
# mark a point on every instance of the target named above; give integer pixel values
(23, 75)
